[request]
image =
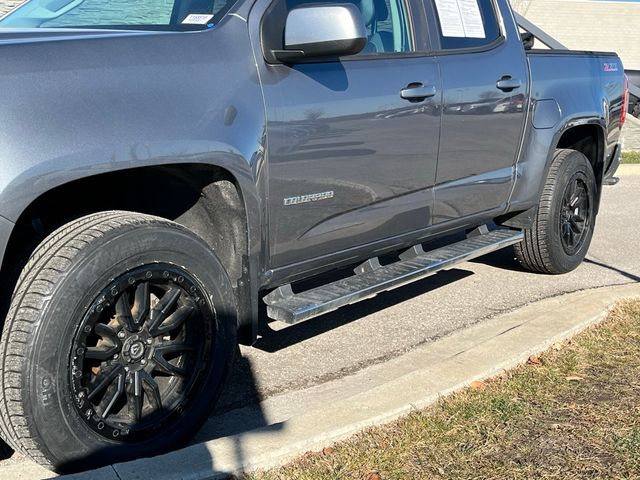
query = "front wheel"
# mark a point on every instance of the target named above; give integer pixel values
(118, 339)
(559, 239)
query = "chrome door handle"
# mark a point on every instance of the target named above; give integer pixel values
(417, 92)
(508, 83)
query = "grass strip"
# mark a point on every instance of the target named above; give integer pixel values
(630, 157)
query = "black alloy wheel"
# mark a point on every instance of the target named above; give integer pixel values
(575, 215)
(139, 351)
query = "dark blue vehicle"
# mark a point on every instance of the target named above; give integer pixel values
(169, 165)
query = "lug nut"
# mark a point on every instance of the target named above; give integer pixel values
(126, 369)
(115, 357)
(149, 341)
(121, 334)
(143, 361)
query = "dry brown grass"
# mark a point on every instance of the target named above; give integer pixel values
(574, 414)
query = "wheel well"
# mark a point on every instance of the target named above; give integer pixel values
(588, 139)
(203, 198)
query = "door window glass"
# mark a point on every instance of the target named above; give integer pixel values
(142, 14)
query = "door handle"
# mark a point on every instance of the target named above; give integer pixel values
(417, 92)
(508, 83)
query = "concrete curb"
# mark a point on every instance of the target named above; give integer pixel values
(633, 120)
(628, 169)
(311, 419)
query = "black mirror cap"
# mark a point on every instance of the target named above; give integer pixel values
(528, 40)
(328, 51)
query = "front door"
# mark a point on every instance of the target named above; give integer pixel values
(350, 161)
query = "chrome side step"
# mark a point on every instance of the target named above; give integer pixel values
(371, 278)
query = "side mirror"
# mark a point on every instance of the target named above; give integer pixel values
(528, 40)
(320, 31)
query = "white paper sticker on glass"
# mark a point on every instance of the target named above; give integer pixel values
(197, 19)
(450, 18)
(460, 18)
(471, 19)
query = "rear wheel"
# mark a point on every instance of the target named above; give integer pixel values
(560, 237)
(119, 337)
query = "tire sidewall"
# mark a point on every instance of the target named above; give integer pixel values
(573, 164)
(69, 441)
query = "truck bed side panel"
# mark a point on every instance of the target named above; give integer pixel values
(587, 89)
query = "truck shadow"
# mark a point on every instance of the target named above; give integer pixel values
(624, 273)
(504, 259)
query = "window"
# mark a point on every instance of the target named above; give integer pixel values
(386, 21)
(467, 23)
(141, 14)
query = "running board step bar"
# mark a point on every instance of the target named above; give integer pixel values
(371, 278)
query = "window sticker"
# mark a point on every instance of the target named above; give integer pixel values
(460, 18)
(471, 19)
(197, 19)
(450, 18)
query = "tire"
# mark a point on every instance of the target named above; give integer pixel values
(547, 246)
(115, 304)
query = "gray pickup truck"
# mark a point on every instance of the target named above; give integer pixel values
(172, 170)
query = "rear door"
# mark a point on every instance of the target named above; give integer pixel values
(350, 161)
(485, 80)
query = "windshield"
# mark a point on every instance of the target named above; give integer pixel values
(116, 14)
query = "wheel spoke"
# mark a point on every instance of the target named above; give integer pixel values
(109, 346)
(166, 367)
(135, 398)
(572, 237)
(103, 380)
(106, 332)
(159, 313)
(173, 347)
(141, 303)
(163, 364)
(123, 312)
(575, 227)
(119, 390)
(151, 389)
(573, 195)
(101, 353)
(174, 320)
